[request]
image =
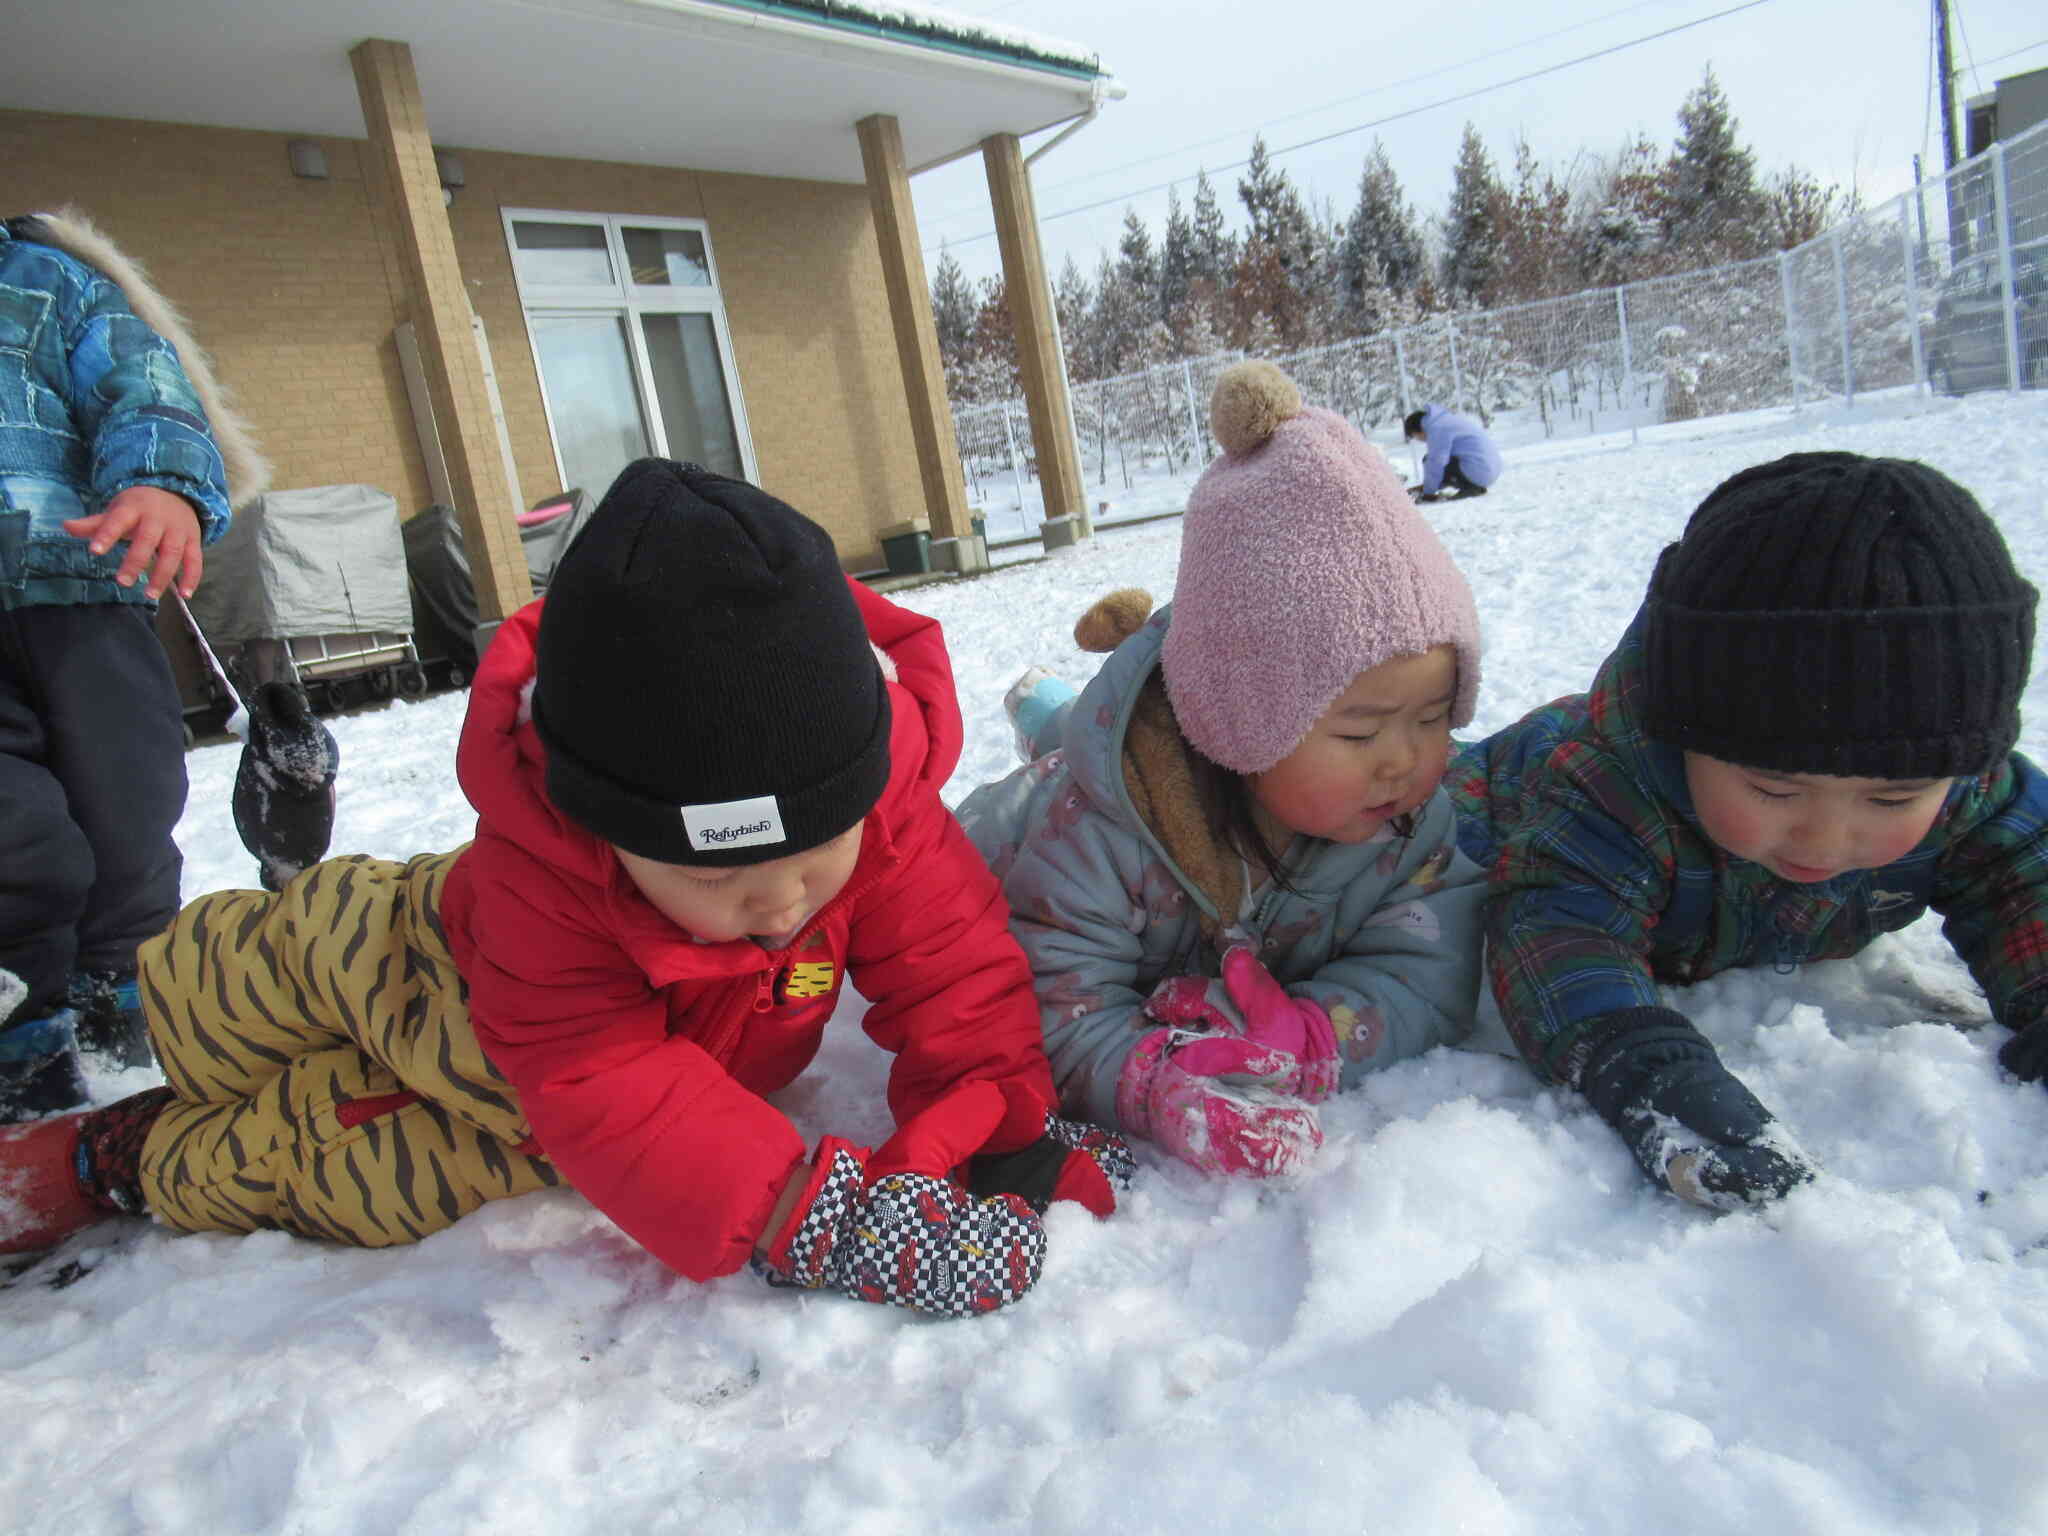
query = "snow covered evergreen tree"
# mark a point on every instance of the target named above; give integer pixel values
(1117, 321)
(953, 307)
(1137, 267)
(1714, 209)
(1176, 257)
(1072, 299)
(1276, 273)
(1471, 260)
(1381, 247)
(1213, 251)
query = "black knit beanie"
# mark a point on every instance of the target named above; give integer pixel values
(1829, 613)
(704, 685)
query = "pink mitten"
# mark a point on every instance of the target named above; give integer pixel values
(1228, 1122)
(1250, 1028)
(1279, 1022)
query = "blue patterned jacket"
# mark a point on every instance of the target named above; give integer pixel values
(1602, 884)
(92, 401)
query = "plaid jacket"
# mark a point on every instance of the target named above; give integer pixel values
(1603, 885)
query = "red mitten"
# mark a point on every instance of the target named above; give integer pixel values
(1072, 1160)
(892, 1226)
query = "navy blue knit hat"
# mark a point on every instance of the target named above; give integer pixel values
(704, 685)
(1834, 614)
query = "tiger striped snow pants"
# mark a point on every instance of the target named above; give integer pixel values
(327, 1081)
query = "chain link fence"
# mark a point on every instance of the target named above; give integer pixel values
(1943, 288)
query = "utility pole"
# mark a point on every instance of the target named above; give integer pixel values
(1944, 66)
(1954, 194)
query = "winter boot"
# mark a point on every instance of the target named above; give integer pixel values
(39, 1072)
(61, 1175)
(1037, 705)
(111, 1029)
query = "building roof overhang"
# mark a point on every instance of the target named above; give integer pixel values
(761, 87)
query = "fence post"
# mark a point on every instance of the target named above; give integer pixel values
(1457, 378)
(1842, 317)
(2011, 308)
(1628, 366)
(1187, 378)
(1401, 368)
(1791, 331)
(1912, 292)
(1628, 360)
(1010, 439)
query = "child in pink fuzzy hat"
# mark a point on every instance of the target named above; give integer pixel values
(1230, 860)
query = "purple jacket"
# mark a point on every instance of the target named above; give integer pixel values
(1450, 434)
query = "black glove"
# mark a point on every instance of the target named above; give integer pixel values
(1692, 1126)
(1071, 1161)
(2025, 1055)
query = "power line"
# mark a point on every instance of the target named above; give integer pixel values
(2013, 54)
(1392, 117)
(1378, 90)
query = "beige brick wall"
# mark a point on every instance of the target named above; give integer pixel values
(282, 279)
(295, 287)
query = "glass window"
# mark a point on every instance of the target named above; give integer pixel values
(689, 387)
(666, 257)
(586, 371)
(630, 342)
(556, 254)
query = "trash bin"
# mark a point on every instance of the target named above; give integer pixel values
(907, 547)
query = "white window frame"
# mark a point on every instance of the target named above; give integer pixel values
(623, 297)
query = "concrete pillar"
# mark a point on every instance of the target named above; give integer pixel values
(397, 122)
(1031, 315)
(917, 337)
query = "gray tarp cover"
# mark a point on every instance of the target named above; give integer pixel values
(321, 561)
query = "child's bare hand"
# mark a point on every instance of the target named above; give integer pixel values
(162, 531)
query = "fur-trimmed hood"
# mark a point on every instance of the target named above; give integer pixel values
(70, 231)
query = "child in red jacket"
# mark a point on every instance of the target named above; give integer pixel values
(706, 770)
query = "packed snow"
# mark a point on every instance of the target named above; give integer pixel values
(1471, 1313)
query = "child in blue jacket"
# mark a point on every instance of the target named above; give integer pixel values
(112, 476)
(1458, 454)
(1803, 741)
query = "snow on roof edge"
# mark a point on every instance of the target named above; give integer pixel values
(932, 27)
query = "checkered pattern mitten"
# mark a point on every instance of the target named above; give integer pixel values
(892, 1226)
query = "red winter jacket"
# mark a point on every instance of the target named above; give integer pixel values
(641, 1055)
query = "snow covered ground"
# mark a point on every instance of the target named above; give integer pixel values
(1471, 1314)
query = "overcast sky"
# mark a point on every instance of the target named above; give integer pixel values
(1839, 87)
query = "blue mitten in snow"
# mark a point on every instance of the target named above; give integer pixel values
(1693, 1127)
(2025, 1055)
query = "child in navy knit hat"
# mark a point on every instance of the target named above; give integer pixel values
(1803, 741)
